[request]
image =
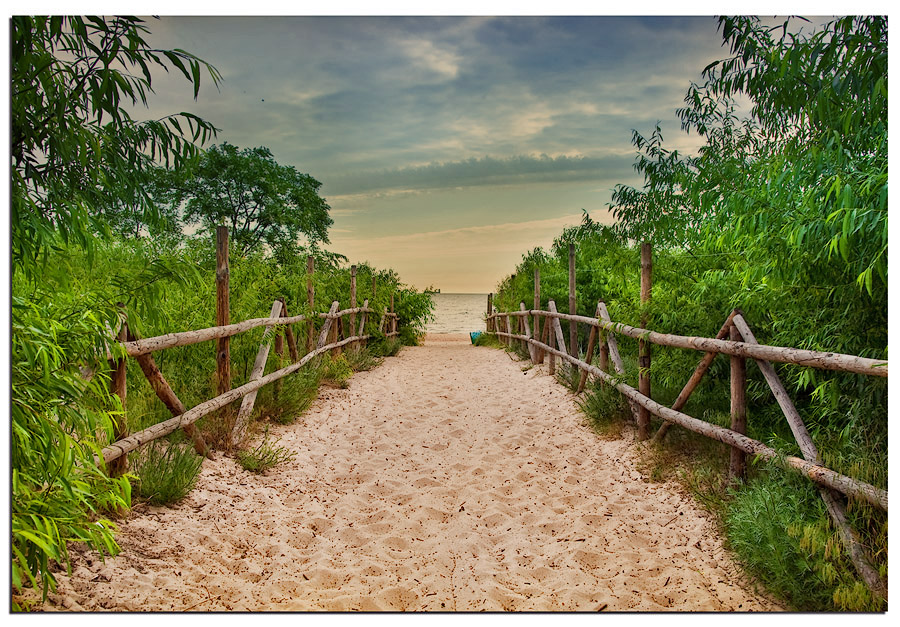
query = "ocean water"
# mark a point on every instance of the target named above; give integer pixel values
(458, 313)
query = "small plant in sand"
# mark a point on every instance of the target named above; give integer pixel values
(264, 456)
(361, 359)
(337, 371)
(165, 472)
(605, 409)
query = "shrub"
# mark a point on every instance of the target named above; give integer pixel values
(165, 472)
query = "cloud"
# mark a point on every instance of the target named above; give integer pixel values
(521, 169)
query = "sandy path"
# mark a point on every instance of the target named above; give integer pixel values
(446, 479)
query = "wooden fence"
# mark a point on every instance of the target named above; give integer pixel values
(540, 331)
(338, 330)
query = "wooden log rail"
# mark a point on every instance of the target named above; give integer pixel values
(184, 419)
(186, 338)
(801, 357)
(136, 440)
(815, 472)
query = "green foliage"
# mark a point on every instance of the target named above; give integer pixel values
(264, 456)
(76, 153)
(75, 149)
(490, 340)
(337, 371)
(165, 472)
(605, 409)
(777, 529)
(262, 202)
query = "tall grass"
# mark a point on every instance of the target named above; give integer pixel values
(165, 471)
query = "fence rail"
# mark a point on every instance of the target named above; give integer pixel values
(742, 345)
(333, 336)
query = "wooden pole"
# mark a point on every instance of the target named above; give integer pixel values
(166, 394)
(835, 507)
(289, 333)
(738, 465)
(223, 317)
(573, 305)
(592, 342)
(488, 321)
(538, 353)
(615, 357)
(694, 381)
(393, 323)
(259, 367)
(529, 346)
(557, 328)
(363, 318)
(310, 301)
(551, 342)
(279, 350)
(352, 298)
(326, 327)
(118, 386)
(644, 345)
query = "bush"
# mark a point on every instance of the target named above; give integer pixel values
(605, 409)
(165, 472)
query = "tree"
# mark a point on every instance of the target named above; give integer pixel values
(76, 152)
(262, 202)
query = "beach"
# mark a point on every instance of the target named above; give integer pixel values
(450, 478)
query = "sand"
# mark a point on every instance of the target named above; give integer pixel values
(446, 479)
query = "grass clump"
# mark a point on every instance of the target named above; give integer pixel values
(605, 409)
(337, 371)
(490, 340)
(264, 456)
(165, 472)
(778, 528)
(362, 359)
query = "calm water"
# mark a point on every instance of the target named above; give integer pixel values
(458, 313)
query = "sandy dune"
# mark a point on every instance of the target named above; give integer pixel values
(446, 479)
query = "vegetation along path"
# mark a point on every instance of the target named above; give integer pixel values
(449, 478)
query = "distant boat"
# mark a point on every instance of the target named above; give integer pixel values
(432, 290)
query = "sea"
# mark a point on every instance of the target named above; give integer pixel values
(458, 313)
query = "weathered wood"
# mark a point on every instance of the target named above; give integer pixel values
(509, 332)
(136, 440)
(573, 304)
(383, 318)
(557, 328)
(528, 334)
(538, 354)
(166, 394)
(614, 355)
(279, 351)
(589, 356)
(695, 379)
(551, 342)
(815, 472)
(363, 317)
(855, 550)
(259, 367)
(310, 301)
(223, 317)
(289, 333)
(488, 320)
(326, 328)
(119, 387)
(393, 320)
(604, 346)
(643, 422)
(352, 298)
(737, 467)
(801, 357)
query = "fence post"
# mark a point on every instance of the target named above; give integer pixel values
(538, 353)
(223, 317)
(279, 350)
(311, 301)
(488, 322)
(118, 386)
(738, 466)
(643, 345)
(352, 298)
(573, 306)
(393, 324)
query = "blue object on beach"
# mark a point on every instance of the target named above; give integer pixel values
(474, 335)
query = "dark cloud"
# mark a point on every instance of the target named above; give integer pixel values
(484, 171)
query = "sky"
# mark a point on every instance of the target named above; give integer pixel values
(447, 147)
